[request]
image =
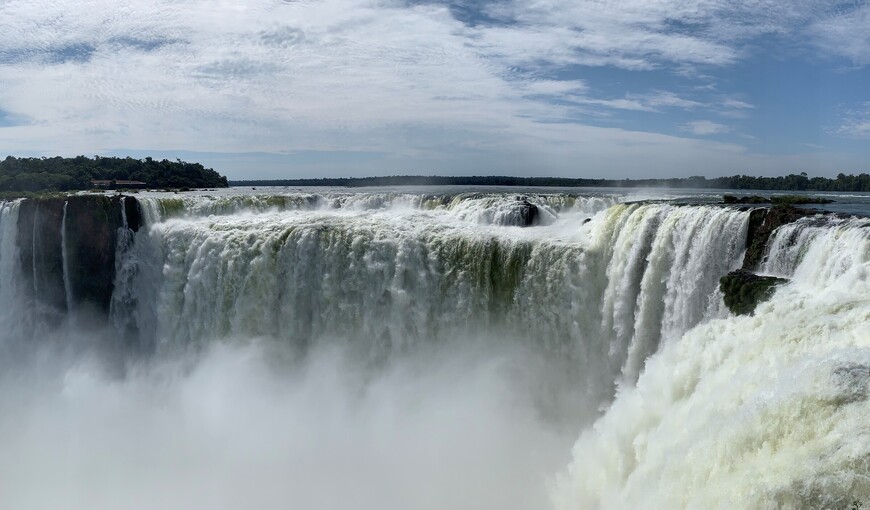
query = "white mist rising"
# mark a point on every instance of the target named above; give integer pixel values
(234, 429)
(401, 351)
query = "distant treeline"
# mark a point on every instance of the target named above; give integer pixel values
(65, 174)
(789, 182)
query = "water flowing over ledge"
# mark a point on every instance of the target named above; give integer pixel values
(625, 296)
(767, 411)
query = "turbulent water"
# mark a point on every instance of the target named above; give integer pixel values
(426, 350)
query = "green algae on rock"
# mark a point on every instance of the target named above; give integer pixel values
(743, 291)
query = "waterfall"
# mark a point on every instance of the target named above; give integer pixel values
(124, 305)
(35, 250)
(8, 260)
(407, 275)
(477, 208)
(388, 315)
(766, 411)
(841, 240)
(67, 275)
(663, 273)
(387, 271)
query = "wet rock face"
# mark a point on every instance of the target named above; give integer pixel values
(88, 238)
(131, 208)
(762, 223)
(743, 291)
(528, 214)
(39, 250)
(91, 228)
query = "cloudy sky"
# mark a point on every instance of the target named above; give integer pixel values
(291, 88)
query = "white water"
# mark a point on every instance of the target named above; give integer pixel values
(387, 279)
(67, 286)
(8, 262)
(769, 411)
(123, 306)
(409, 351)
(477, 208)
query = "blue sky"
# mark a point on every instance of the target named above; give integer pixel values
(316, 88)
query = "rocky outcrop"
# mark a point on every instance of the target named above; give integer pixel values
(754, 199)
(528, 214)
(91, 227)
(762, 223)
(743, 291)
(776, 199)
(40, 254)
(87, 239)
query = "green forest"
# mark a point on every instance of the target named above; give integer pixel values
(792, 182)
(66, 174)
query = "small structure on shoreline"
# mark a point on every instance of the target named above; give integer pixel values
(119, 183)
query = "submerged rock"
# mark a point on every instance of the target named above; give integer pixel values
(743, 291)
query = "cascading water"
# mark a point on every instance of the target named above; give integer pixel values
(583, 304)
(67, 271)
(768, 411)
(391, 278)
(8, 258)
(123, 305)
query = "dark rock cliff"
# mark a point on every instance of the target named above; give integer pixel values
(88, 237)
(41, 260)
(762, 223)
(742, 289)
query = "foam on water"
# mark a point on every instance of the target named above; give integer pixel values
(275, 346)
(768, 411)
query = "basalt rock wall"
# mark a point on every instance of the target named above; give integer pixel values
(67, 249)
(762, 223)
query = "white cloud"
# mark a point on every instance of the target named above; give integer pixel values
(732, 108)
(378, 76)
(643, 34)
(736, 104)
(595, 33)
(855, 123)
(705, 128)
(670, 100)
(845, 34)
(651, 102)
(558, 88)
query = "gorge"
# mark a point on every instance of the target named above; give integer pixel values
(439, 349)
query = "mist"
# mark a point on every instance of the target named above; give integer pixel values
(256, 424)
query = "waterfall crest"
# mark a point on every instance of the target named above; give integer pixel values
(767, 411)
(681, 404)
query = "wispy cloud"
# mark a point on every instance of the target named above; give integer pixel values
(651, 102)
(845, 33)
(641, 34)
(411, 79)
(705, 128)
(855, 123)
(736, 104)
